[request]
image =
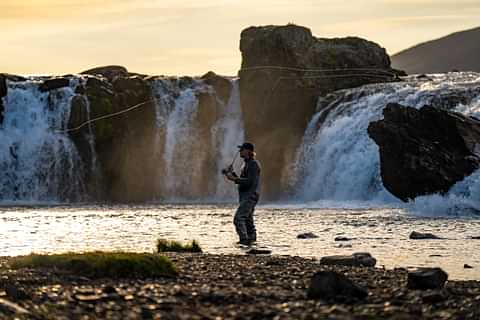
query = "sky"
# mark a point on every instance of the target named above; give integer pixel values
(191, 37)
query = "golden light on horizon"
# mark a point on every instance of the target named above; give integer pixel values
(193, 37)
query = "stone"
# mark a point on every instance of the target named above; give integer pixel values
(361, 259)
(54, 83)
(12, 308)
(3, 86)
(258, 251)
(279, 98)
(426, 278)
(414, 235)
(15, 293)
(434, 297)
(340, 238)
(3, 93)
(417, 157)
(307, 235)
(332, 285)
(109, 72)
(467, 266)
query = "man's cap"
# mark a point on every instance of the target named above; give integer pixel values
(247, 146)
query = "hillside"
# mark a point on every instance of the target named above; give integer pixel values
(457, 51)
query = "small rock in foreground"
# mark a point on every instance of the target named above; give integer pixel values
(307, 235)
(329, 284)
(361, 259)
(427, 278)
(467, 266)
(342, 238)
(258, 251)
(422, 236)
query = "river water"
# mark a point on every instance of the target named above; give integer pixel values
(381, 230)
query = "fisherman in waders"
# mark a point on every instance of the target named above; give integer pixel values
(248, 191)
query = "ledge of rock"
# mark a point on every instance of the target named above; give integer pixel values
(425, 151)
(54, 83)
(109, 72)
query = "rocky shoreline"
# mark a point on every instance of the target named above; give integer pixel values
(230, 287)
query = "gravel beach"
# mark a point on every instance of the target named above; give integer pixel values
(230, 287)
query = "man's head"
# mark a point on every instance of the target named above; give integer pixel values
(247, 150)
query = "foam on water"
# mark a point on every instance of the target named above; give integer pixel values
(38, 163)
(338, 161)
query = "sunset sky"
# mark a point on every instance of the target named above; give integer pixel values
(194, 36)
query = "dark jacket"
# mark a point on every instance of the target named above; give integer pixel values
(249, 181)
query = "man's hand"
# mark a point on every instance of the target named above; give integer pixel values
(230, 176)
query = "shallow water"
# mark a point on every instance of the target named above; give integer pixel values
(382, 231)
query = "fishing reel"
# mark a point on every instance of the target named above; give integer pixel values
(227, 170)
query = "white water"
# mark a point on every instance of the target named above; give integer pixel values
(37, 163)
(228, 133)
(185, 150)
(338, 161)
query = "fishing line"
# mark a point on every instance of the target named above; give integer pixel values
(386, 74)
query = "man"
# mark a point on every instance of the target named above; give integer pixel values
(248, 190)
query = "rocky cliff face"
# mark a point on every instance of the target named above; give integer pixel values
(284, 70)
(425, 151)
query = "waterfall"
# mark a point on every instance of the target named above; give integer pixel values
(228, 134)
(37, 161)
(194, 140)
(338, 161)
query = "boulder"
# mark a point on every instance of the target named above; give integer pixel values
(54, 83)
(3, 86)
(13, 77)
(361, 259)
(3, 93)
(109, 72)
(222, 85)
(426, 278)
(425, 151)
(332, 285)
(280, 82)
(340, 238)
(422, 236)
(307, 235)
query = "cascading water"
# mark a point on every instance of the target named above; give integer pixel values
(337, 159)
(194, 147)
(38, 163)
(228, 133)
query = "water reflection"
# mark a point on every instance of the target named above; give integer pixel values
(382, 231)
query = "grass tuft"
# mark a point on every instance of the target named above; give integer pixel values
(100, 264)
(175, 246)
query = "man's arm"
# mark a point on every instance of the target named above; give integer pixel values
(252, 174)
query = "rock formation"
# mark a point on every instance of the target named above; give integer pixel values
(284, 70)
(425, 151)
(3, 93)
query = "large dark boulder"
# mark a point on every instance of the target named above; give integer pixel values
(425, 151)
(330, 285)
(54, 83)
(426, 278)
(284, 70)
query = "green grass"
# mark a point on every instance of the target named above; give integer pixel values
(100, 264)
(175, 246)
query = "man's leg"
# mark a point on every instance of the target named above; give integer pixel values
(250, 224)
(240, 220)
